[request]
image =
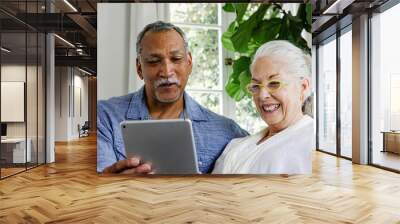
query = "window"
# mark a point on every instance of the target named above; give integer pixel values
(204, 24)
(394, 101)
(327, 96)
(334, 106)
(22, 65)
(346, 94)
(385, 88)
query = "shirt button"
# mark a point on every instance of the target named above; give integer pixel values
(200, 163)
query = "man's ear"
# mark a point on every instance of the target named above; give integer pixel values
(139, 68)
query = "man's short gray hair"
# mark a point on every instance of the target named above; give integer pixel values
(299, 62)
(158, 27)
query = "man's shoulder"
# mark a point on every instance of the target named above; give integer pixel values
(116, 102)
(212, 116)
(125, 99)
(115, 107)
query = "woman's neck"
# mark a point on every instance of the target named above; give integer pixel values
(273, 130)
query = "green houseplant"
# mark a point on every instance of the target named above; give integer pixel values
(254, 25)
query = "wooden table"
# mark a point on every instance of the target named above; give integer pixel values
(391, 141)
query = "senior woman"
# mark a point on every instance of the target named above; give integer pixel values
(280, 85)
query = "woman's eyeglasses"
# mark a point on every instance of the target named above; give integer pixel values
(271, 86)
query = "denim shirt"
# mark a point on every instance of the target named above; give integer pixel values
(212, 132)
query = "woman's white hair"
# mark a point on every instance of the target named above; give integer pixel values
(299, 62)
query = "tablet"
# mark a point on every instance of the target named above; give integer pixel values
(168, 145)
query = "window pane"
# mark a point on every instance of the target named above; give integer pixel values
(200, 13)
(203, 43)
(385, 89)
(346, 94)
(13, 85)
(394, 100)
(327, 97)
(247, 116)
(211, 101)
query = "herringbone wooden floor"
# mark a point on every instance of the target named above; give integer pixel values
(70, 191)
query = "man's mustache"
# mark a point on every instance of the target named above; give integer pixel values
(166, 81)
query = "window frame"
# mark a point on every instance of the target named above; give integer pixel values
(334, 37)
(227, 104)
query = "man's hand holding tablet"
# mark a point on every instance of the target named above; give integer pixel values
(157, 146)
(131, 165)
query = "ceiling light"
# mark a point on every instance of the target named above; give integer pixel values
(5, 50)
(70, 5)
(84, 71)
(338, 6)
(65, 41)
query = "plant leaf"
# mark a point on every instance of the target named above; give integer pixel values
(284, 31)
(234, 91)
(241, 64)
(304, 13)
(228, 7)
(268, 30)
(308, 17)
(253, 46)
(244, 79)
(226, 37)
(240, 9)
(309, 13)
(234, 86)
(244, 37)
(244, 32)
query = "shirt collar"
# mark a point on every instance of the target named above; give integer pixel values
(138, 109)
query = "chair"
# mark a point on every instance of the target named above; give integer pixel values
(84, 130)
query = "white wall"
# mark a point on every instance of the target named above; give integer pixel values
(112, 49)
(117, 28)
(12, 101)
(18, 73)
(79, 117)
(67, 116)
(33, 126)
(14, 73)
(61, 103)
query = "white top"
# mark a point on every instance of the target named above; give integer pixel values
(287, 152)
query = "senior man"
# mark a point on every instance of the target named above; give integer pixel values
(164, 63)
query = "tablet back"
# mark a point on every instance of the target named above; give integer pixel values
(167, 144)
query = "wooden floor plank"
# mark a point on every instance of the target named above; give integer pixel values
(70, 191)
